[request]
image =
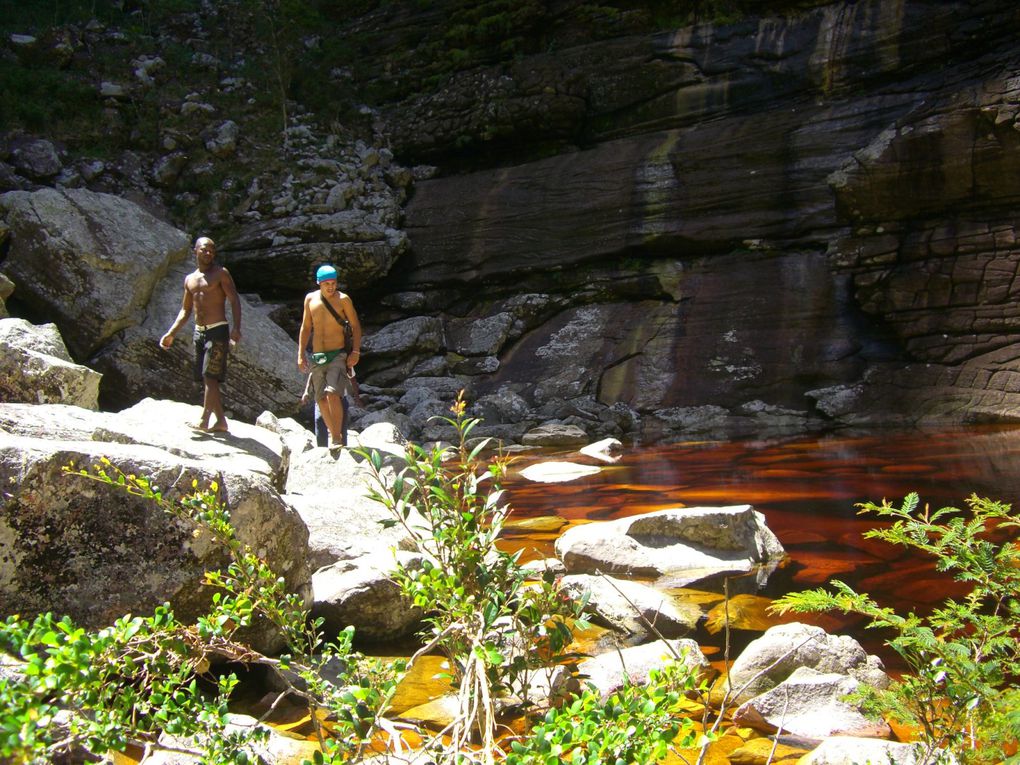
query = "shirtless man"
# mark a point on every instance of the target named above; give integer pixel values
(332, 368)
(207, 290)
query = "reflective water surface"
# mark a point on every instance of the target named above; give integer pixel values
(807, 488)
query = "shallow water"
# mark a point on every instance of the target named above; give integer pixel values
(807, 488)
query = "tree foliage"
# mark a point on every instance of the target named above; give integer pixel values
(964, 656)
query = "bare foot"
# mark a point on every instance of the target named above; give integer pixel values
(219, 427)
(200, 426)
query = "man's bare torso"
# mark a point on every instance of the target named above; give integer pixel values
(206, 290)
(327, 333)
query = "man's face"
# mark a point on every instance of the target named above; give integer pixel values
(205, 253)
(327, 287)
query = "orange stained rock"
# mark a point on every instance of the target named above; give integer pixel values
(744, 612)
(422, 683)
(717, 754)
(758, 751)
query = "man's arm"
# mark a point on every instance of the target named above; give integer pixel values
(230, 292)
(352, 316)
(305, 334)
(187, 303)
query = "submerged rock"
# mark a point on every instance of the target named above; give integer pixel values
(630, 607)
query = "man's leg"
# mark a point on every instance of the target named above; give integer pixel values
(321, 433)
(213, 406)
(344, 419)
(332, 413)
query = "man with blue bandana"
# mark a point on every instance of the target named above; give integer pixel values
(331, 366)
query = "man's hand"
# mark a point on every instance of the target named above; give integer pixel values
(166, 341)
(235, 336)
(302, 363)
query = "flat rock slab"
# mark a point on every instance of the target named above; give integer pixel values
(666, 542)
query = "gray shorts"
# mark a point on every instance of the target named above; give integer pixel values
(331, 377)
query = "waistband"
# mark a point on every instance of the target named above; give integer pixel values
(207, 327)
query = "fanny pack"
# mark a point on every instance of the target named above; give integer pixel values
(325, 356)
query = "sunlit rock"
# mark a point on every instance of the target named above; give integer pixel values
(693, 541)
(770, 659)
(630, 607)
(610, 671)
(558, 472)
(810, 703)
(851, 750)
(332, 494)
(603, 450)
(36, 368)
(361, 593)
(277, 749)
(79, 547)
(554, 434)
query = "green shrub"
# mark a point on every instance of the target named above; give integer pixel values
(128, 683)
(964, 657)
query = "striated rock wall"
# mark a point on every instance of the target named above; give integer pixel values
(811, 218)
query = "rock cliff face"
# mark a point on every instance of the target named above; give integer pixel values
(795, 220)
(643, 229)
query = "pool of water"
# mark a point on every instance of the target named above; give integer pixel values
(807, 488)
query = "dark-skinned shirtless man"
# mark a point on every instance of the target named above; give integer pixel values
(207, 290)
(331, 366)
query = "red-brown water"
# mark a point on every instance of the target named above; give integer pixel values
(807, 488)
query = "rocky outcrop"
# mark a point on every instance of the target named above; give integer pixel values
(690, 542)
(797, 221)
(36, 368)
(94, 552)
(779, 224)
(111, 276)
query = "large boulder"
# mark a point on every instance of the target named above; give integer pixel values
(781, 650)
(691, 541)
(851, 750)
(332, 494)
(36, 368)
(811, 704)
(362, 594)
(79, 547)
(90, 261)
(111, 276)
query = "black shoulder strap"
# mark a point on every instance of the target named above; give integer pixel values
(342, 322)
